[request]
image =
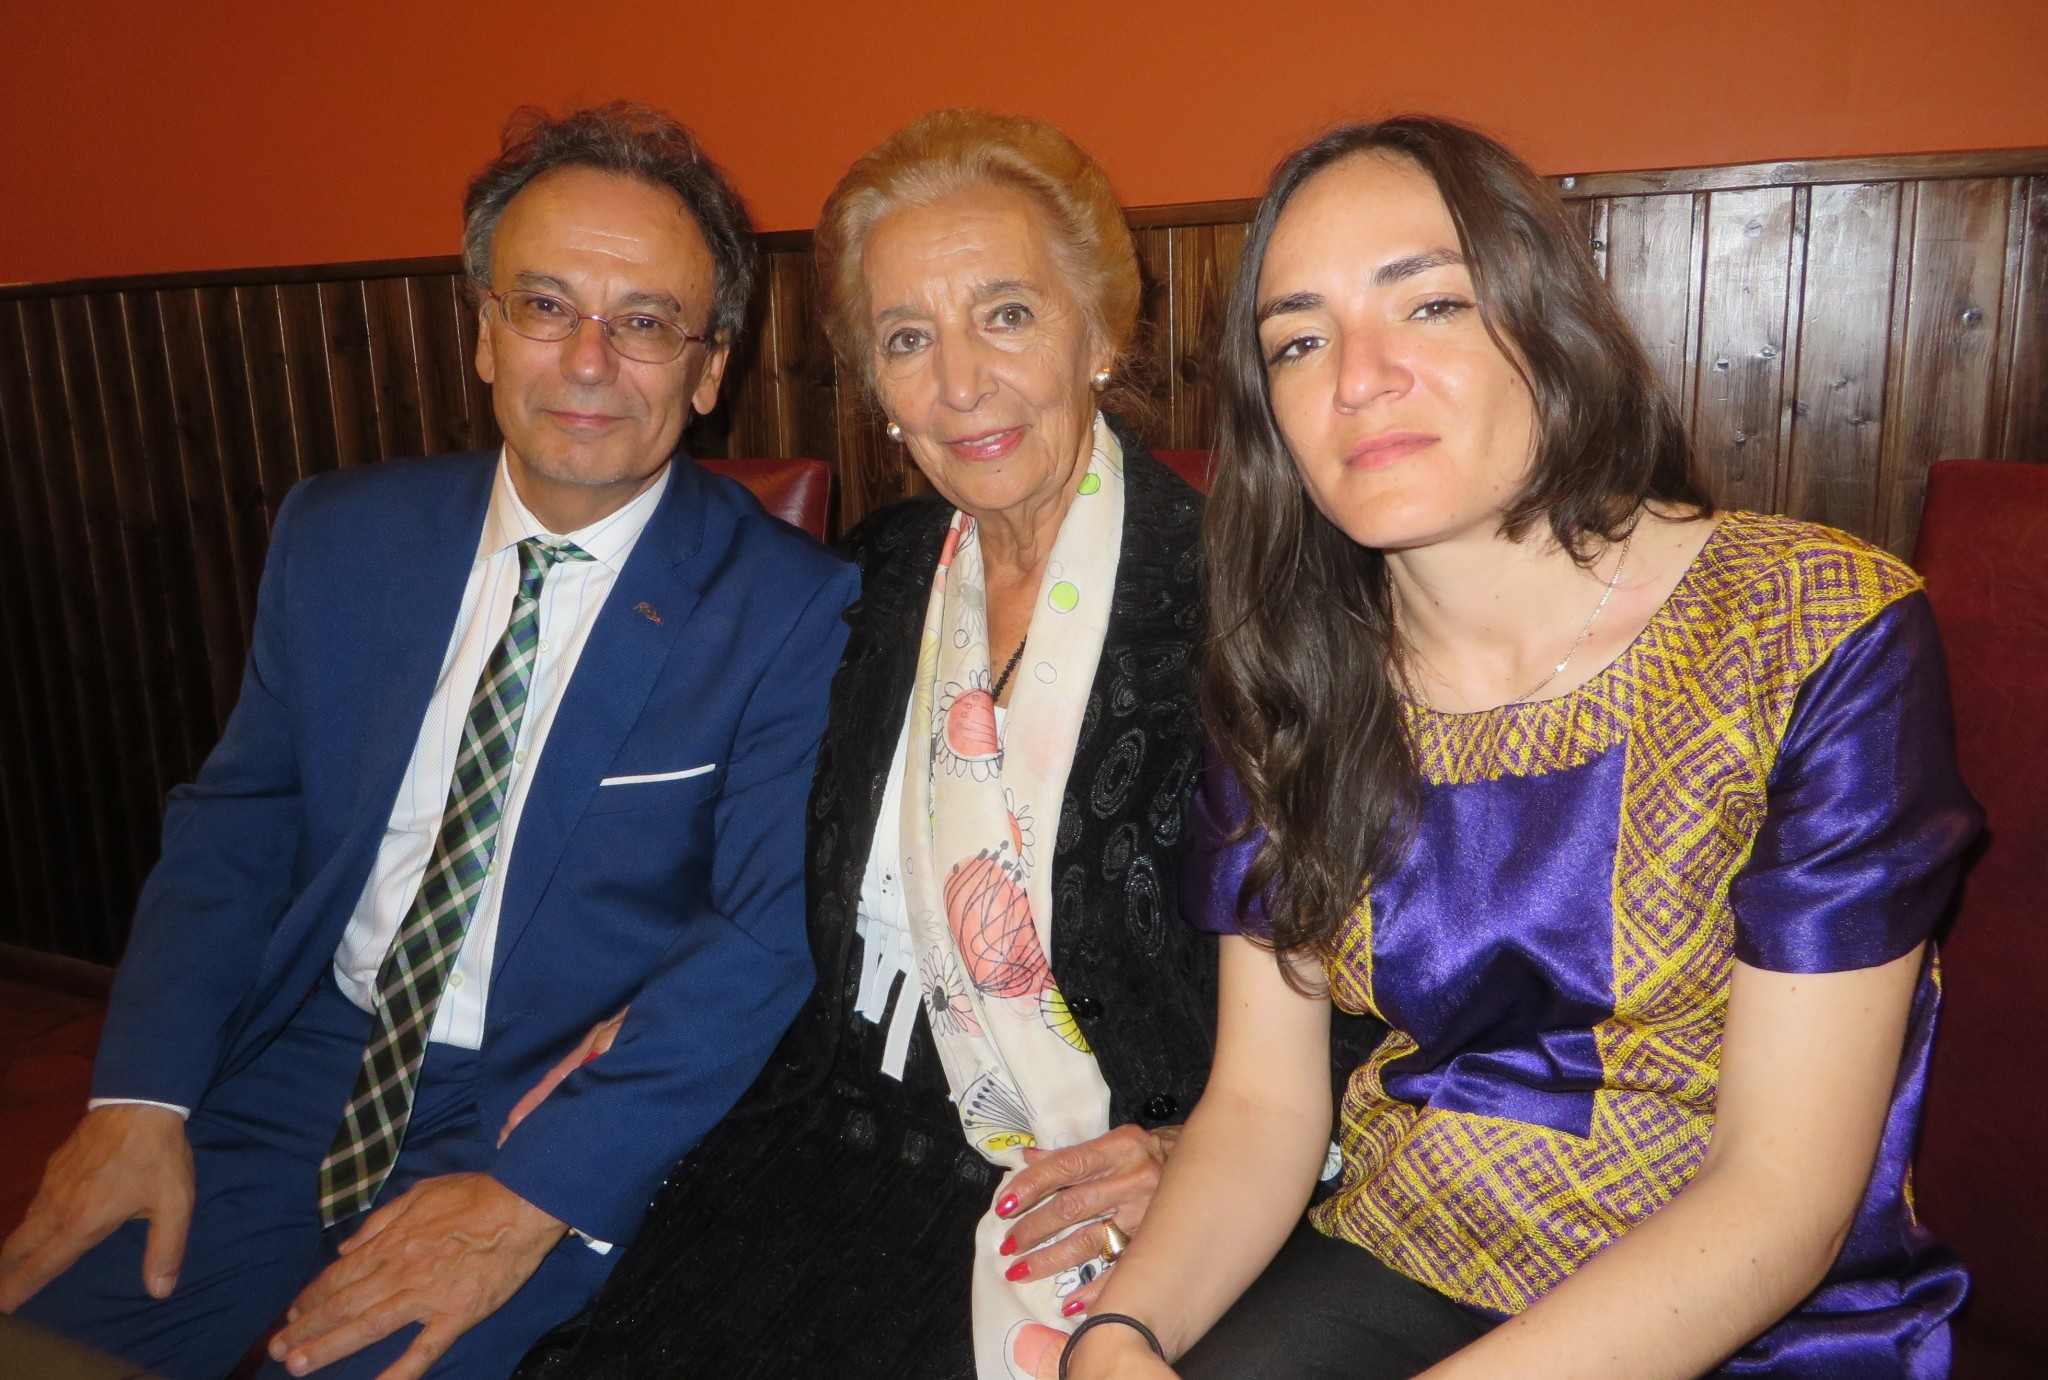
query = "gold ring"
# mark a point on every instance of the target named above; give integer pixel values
(1115, 1241)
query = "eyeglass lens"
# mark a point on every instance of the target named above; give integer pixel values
(641, 336)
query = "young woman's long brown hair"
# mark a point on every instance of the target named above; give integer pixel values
(1301, 690)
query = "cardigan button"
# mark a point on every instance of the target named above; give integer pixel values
(1161, 1106)
(1087, 1008)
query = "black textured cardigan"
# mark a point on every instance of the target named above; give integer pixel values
(1138, 979)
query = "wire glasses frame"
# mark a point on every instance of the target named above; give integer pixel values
(636, 335)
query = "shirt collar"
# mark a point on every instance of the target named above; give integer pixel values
(609, 540)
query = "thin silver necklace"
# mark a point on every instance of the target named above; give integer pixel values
(1415, 686)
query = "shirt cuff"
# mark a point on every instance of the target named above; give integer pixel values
(93, 1104)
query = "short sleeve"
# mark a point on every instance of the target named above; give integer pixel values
(1214, 866)
(1866, 818)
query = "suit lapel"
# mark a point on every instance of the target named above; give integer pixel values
(615, 674)
(423, 579)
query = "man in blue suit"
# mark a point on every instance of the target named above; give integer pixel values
(524, 741)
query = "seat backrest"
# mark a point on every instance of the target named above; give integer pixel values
(1191, 465)
(1979, 1178)
(797, 491)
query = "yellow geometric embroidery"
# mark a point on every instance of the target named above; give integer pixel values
(1495, 1212)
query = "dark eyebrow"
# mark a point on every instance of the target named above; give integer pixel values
(1289, 302)
(1395, 270)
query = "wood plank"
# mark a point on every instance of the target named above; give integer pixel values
(70, 639)
(445, 421)
(1940, 408)
(395, 369)
(1204, 261)
(2022, 427)
(1795, 172)
(1149, 370)
(239, 472)
(481, 415)
(1653, 269)
(35, 844)
(1844, 332)
(199, 457)
(273, 427)
(185, 725)
(309, 393)
(351, 374)
(139, 652)
(1749, 253)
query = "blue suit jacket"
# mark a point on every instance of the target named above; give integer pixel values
(684, 898)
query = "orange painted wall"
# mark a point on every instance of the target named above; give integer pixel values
(139, 137)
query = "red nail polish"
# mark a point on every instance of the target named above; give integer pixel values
(1009, 1246)
(1021, 1270)
(1071, 1307)
(1008, 1206)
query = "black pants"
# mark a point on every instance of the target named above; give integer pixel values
(1328, 1310)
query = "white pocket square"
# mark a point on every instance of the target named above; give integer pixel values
(653, 777)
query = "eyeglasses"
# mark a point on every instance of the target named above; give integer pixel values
(637, 335)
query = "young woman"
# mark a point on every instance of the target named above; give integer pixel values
(1630, 817)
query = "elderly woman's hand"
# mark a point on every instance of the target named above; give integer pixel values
(1112, 1176)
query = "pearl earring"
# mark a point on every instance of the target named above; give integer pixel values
(895, 433)
(1100, 379)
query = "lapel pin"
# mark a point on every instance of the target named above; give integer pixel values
(647, 610)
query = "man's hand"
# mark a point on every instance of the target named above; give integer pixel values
(446, 1253)
(122, 1162)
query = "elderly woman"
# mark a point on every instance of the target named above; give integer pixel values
(1003, 977)
(1632, 818)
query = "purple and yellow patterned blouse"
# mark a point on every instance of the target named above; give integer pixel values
(1764, 774)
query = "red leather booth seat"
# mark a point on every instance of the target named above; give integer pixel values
(1191, 465)
(1982, 1173)
(797, 491)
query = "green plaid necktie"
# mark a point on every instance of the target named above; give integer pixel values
(415, 968)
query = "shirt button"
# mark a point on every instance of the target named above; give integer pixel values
(520, 757)
(455, 981)
(543, 644)
(1160, 1106)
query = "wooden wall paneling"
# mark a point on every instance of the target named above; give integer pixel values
(1151, 367)
(2022, 422)
(1844, 314)
(351, 369)
(1940, 408)
(69, 638)
(200, 455)
(121, 529)
(1751, 250)
(764, 420)
(394, 368)
(273, 424)
(36, 844)
(483, 420)
(1653, 270)
(240, 473)
(873, 470)
(309, 393)
(179, 600)
(446, 421)
(1203, 261)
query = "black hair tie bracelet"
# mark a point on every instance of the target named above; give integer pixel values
(1097, 1319)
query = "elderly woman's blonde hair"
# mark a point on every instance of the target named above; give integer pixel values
(949, 151)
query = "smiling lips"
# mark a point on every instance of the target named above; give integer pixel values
(583, 421)
(1387, 448)
(990, 445)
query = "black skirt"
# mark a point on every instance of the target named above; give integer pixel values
(832, 1237)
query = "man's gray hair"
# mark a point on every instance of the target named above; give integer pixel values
(629, 140)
